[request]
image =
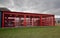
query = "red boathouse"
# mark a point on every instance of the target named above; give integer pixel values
(18, 19)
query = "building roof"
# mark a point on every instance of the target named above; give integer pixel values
(4, 9)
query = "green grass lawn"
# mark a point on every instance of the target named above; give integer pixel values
(31, 32)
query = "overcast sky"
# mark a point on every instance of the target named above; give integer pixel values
(36, 6)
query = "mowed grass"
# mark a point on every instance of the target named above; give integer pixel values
(31, 32)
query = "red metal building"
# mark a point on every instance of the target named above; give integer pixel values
(18, 19)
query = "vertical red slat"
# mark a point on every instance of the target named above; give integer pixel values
(24, 20)
(14, 20)
(40, 20)
(14, 23)
(45, 21)
(53, 21)
(30, 21)
(15, 16)
(49, 20)
(3, 20)
(33, 22)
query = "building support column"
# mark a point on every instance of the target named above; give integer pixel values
(3, 20)
(45, 21)
(41, 21)
(49, 20)
(24, 20)
(14, 17)
(32, 21)
(53, 21)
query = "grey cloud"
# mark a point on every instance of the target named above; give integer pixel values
(40, 6)
(5, 2)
